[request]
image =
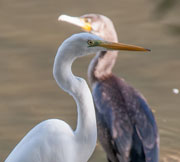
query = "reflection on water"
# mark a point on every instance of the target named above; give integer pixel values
(166, 11)
(29, 38)
(165, 6)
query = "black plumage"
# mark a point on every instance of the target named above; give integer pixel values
(126, 126)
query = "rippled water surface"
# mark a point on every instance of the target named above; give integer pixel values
(30, 36)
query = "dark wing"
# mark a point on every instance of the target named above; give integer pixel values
(143, 121)
(125, 121)
(114, 126)
(147, 131)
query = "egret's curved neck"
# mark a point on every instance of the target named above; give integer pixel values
(86, 130)
(102, 64)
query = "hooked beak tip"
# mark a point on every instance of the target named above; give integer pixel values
(61, 17)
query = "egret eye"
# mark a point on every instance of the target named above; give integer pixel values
(90, 42)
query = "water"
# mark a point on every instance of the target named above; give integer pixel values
(29, 38)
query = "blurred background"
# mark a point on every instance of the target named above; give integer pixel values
(30, 35)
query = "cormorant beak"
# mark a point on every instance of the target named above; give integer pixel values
(121, 46)
(78, 21)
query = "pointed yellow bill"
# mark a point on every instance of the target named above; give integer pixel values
(121, 46)
(116, 46)
(81, 22)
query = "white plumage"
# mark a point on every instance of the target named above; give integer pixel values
(53, 140)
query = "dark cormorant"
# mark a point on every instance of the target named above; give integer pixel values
(127, 129)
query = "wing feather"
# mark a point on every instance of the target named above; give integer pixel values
(126, 126)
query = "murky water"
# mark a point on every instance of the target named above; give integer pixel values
(29, 38)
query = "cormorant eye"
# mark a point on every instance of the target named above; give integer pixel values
(87, 20)
(90, 42)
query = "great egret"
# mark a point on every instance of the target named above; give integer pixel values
(127, 129)
(53, 140)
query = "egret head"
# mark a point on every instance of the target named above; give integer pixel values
(94, 23)
(86, 43)
(82, 44)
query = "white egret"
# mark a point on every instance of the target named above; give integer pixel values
(53, 140)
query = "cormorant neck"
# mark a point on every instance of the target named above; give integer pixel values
(102, 64)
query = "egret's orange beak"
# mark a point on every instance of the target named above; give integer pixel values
(81, 22)
(121, 46)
